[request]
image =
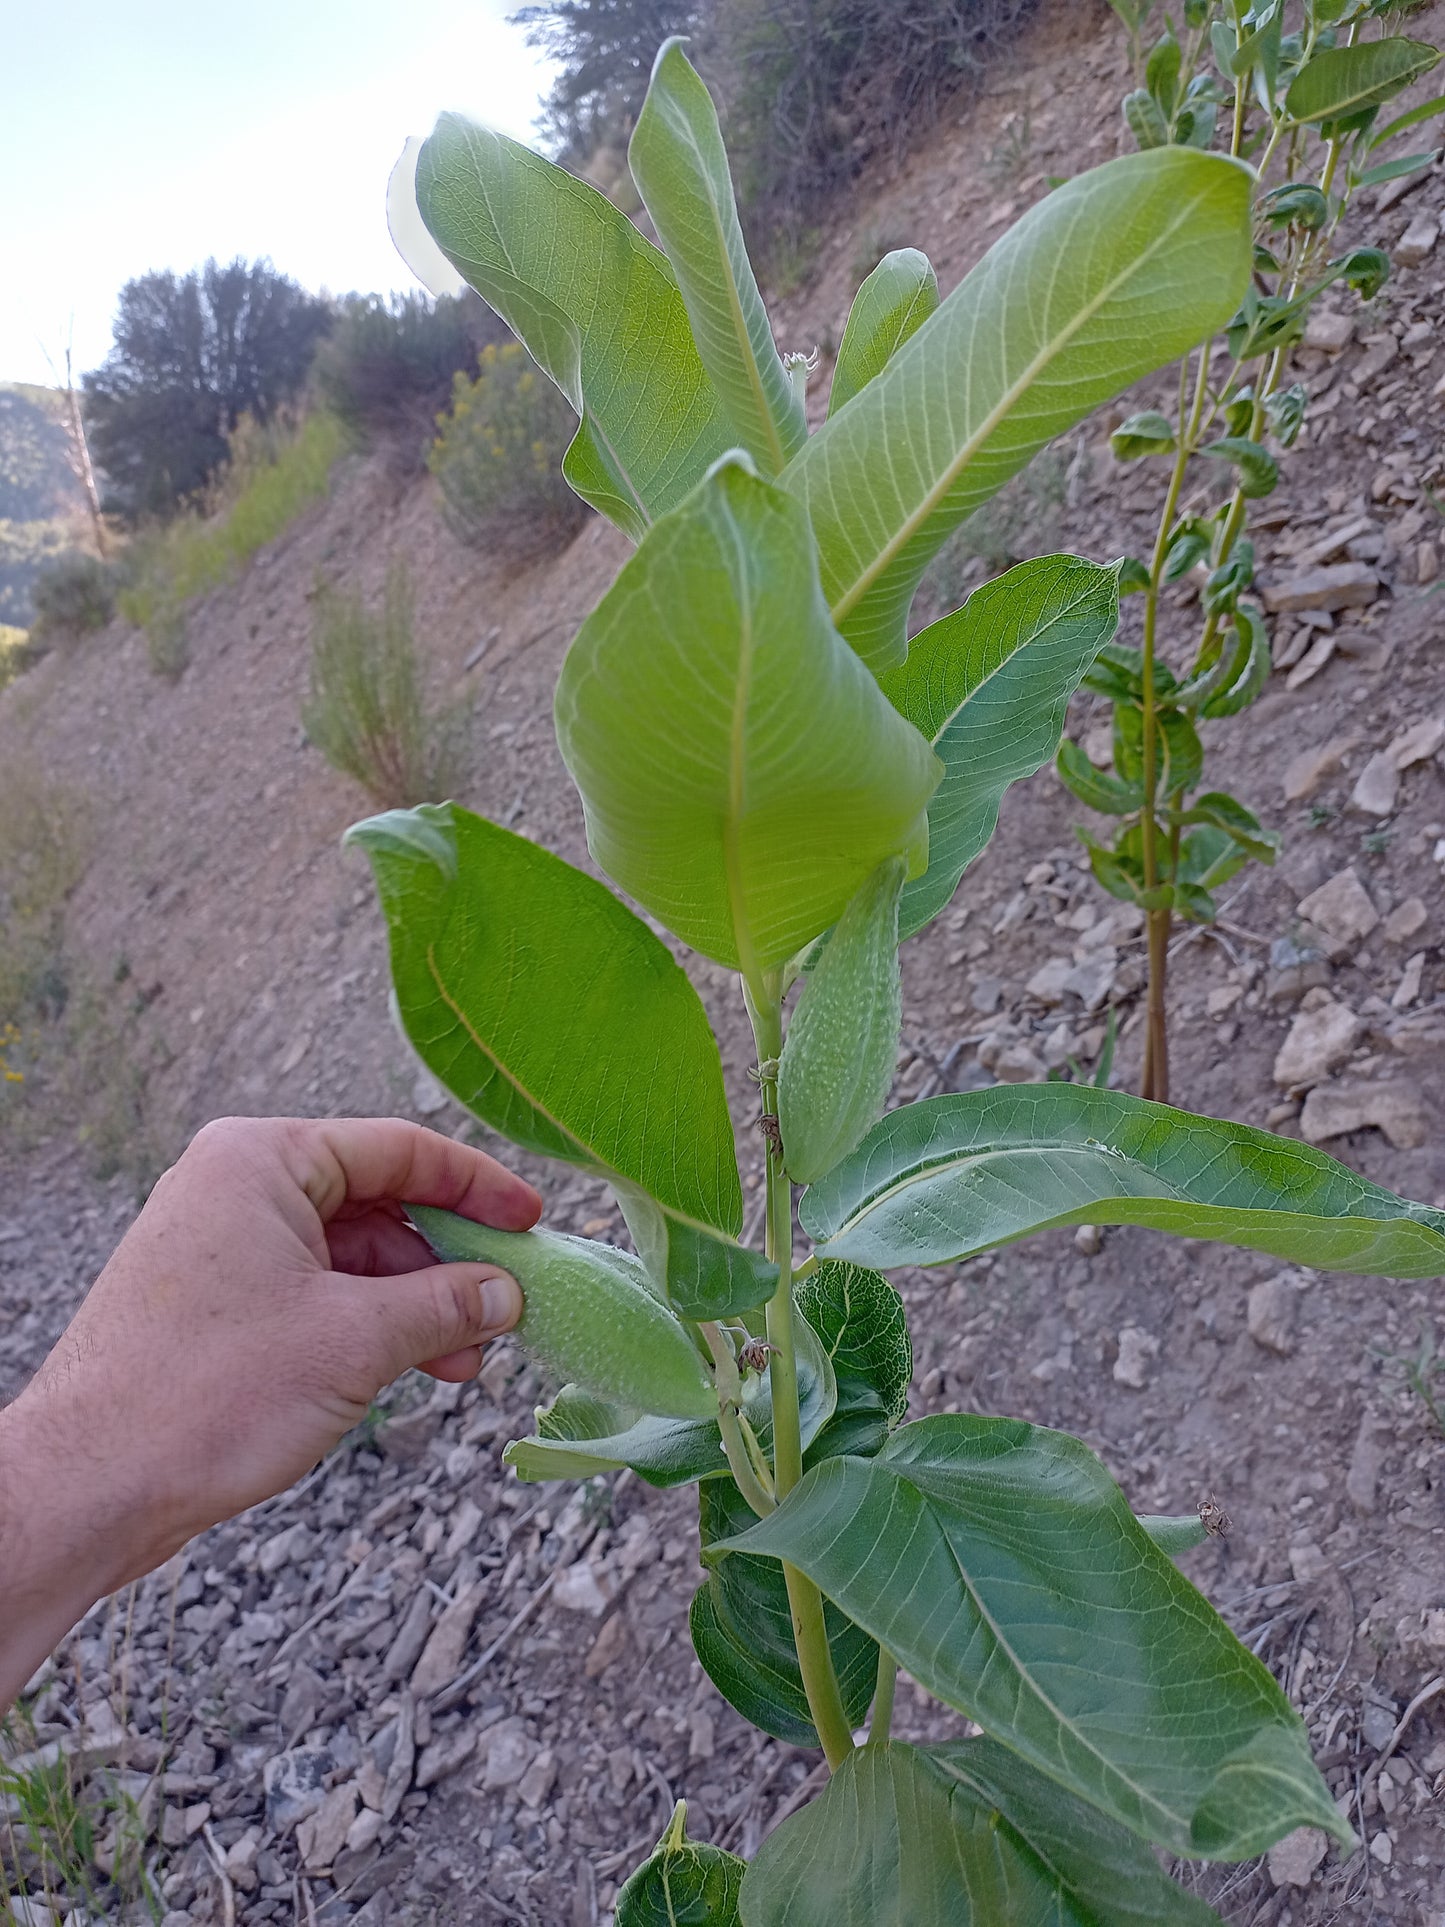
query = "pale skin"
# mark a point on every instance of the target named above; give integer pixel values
(265, 1295)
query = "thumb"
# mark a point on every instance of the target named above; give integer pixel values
(430, 1315)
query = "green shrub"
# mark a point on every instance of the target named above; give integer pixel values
(496, 458)
(366, 711)
(274, 474)
(73, 595)
(17, 653)
(386, 369)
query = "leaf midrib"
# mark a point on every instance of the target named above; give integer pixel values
(1070, 611)
(1355, 102)
(1002, 408)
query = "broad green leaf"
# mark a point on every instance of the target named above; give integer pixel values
(859, 1320)
(989, 687)
(703, 1275)
(962, 1835)
(556, 1016)
(681, 169)
(842, 1044)
(1004, 1570)
(891, 305)
(1114, 274)
(1145, 120)
(683, 1883)
(959, 1174)
(1341, 81)
(742, 1632)
(740, 771)
(579, 1435)
(1256, 468)
(597, 305)
(1096, 788)
(589, 1312)
(1148, 433)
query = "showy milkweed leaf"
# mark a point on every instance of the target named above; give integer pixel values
(989, 687)
(1109, 277)
(681, 169)
(682, 1883)
(961, 1835)
(740, 770)
(554, 1014)
(954, 1175)
(891, 306)
(597, 305)
(1006, 1573)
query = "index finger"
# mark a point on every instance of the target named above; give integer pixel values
(374, 1160)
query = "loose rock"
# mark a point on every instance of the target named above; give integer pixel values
(1377, 787)
(1137, 1351)
(323, 1836)
(1310, 768)
(441, 1657)
(1408, 988)
(1406, 920)
(1397, 1110)
(1417, 743)
(1293, 1860)
(1342, 585)
(1341, 910)
(1367, 1461)
(1321, 1037)
(1273, 1309)
(1417, 242)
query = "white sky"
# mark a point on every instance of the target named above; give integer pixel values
(153, 134)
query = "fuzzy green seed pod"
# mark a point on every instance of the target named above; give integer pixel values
(591, 1315)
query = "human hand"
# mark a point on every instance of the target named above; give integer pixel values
(264, 1296)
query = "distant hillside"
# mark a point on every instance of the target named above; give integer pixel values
(40, 498)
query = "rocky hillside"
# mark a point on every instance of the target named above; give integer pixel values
(417, 1691)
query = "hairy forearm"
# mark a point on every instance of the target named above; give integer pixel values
(58, 1545)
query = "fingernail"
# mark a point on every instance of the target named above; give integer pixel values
(501, 1302)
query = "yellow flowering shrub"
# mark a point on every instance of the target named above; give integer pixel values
(498, 452)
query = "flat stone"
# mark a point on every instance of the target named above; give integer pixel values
(505, 1751)
(1382, 1848)
(1377, 787)
(1137, 1351)
(1318, 656)
(1417, 743)
(1326, 547)
(1367, 1462)
(536, 1783)
(609, 1646)
(1321, 1037)
(441, 1657)
(1408, 988)
(1418, 240)
(1292, 1861)
(1273, 1309)
(1309, 769)
(364, 1831)
(320, 1838)
(1427, 563)
(1017, 1064)
(1406, 920)
(442, 1758)
(1341, 585)
(1331, 332)
(582, 1588)
(1341, 910)
(1396, 1110)
(1049, 982)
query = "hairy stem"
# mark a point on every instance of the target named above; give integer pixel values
(805, 1602)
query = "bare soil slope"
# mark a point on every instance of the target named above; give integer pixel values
(309, 1678)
